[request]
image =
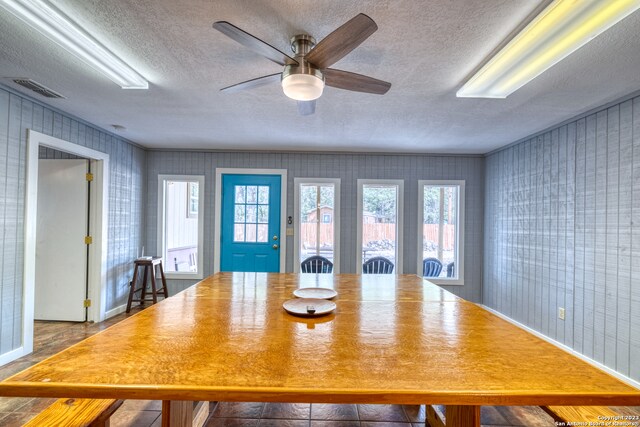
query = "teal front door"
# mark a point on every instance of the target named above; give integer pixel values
(250, 235)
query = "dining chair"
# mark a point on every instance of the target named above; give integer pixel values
(377, 265)
(431, 267)
(316, 264)
(451, 269)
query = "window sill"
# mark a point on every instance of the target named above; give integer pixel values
(444, 282)
(182, 276)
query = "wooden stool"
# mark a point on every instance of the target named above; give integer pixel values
(147, 264)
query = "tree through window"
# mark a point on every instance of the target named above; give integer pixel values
(441, 229)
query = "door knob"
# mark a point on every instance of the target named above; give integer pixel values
(275, 237)
(275, 246)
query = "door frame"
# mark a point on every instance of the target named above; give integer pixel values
(217, 225)
(99, 213)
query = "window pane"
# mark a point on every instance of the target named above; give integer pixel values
(439, 229)
(379, 212)
(317, 221)
(239, 214)
(326, 195)
(250, 235)
(263, 233)
(238, 233)
(308, 203)
(180, 226)
(263, 214)
(263, 195)
(240, 193)
(252, 194)
(251, 214)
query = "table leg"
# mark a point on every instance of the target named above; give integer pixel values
(200, 414)
(183, 413)
(462, 416)
(435, 417)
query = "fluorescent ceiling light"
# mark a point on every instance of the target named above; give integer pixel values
(562, 28)
(55, 25)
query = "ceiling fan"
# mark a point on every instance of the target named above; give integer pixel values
(305, 75)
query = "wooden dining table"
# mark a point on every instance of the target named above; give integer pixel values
(391, 339)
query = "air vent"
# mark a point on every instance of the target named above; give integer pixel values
(37, 87)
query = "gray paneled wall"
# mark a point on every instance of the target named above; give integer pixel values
(348, 167)
(50, 153)
(126, 204)
(562, 229)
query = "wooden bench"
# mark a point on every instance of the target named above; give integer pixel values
(580, 414)
(77, 413)
(563, 415)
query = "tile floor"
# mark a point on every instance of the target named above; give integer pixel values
(51, 337)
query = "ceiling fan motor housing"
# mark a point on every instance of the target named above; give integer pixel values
(301, 45)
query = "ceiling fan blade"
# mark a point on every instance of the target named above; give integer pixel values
(306, 108)
(342, 41)
(355, 82)
(255, 44)
(253, 83)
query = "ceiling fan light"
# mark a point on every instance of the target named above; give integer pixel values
(302, 87)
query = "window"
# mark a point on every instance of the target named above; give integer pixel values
(441, 219)
(317, 220)
(380, 217)
(251, 217)
(180, 236)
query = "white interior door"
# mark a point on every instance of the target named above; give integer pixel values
(61, 254)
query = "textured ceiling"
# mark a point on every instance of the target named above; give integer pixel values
(426, 49)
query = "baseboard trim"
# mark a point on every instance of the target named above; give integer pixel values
(115, 311)
(566, 348)
(12, 355)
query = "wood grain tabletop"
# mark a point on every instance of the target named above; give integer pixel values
(391, 339)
